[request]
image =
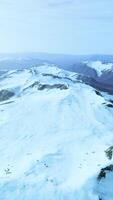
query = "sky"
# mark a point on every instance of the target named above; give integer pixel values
(56, 26)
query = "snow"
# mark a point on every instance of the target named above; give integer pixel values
(15, 79)
(100, 67)
(52, 142)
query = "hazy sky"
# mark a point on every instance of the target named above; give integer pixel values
(61, 26)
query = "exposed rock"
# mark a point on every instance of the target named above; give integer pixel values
(8, 102)
(52, 75)
(55, 86)
(59, 77)
(6, 94)
(40, 86)
(7, 171)
(36, 83)
(98, 93)
(111, 101)
(100, 198)
(104, 171)
(109, 105)
(109, 152)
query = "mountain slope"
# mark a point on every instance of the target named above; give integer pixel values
(96, 74)
(54, 132)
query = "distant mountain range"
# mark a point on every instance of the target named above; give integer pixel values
(95, 70)
(27, 60)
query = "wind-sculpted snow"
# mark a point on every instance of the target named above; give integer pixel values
(53, 141)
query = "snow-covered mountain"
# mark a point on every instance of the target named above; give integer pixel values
(100, 67)
(56, 136)
(96, 73)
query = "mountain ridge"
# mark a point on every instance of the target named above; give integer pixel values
(53, 140)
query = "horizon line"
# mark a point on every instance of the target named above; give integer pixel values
(59, 54)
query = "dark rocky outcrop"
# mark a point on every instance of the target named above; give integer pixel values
(5, 95)
(98, 93)
(40, 86)
(104, 171)
(35, 84)
(100, 198)
(59, 77)
(55, 86)
(109, 152)
(109, 105)
(52, 75)
(111, 101)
